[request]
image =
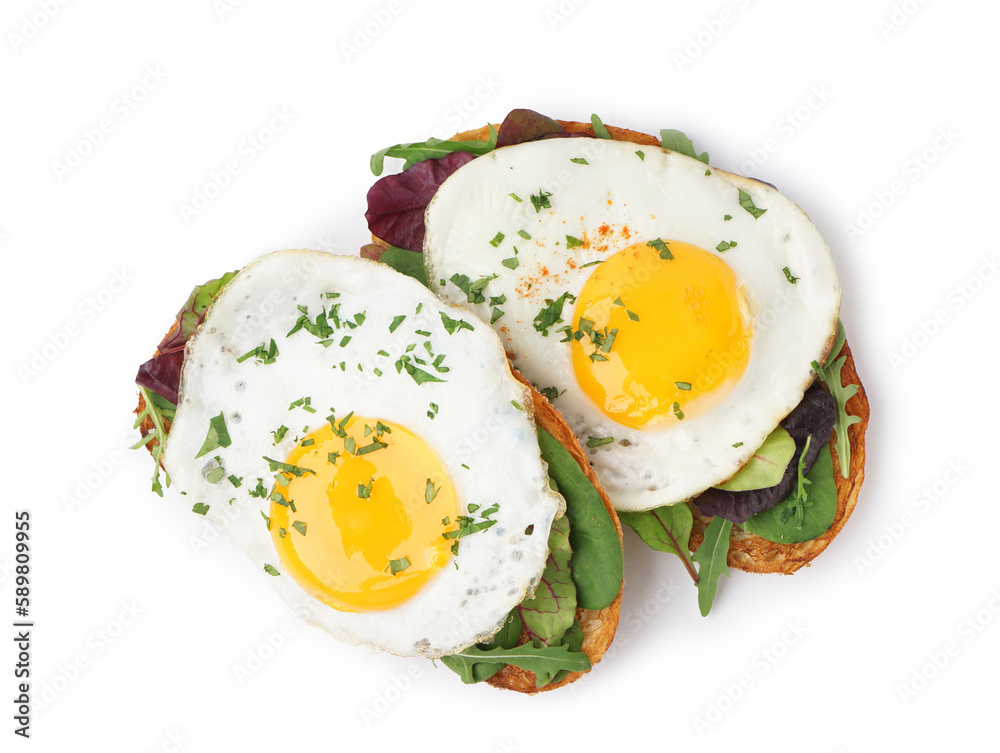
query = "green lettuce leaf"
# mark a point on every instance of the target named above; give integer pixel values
(193, 312)
(815, 513)
(597, 560)
(431, 149)
(551, 611)
(409, 263)
(676, 141)
(665, 529)
(711, 558)
(766, 466)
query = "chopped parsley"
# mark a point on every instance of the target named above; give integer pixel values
(640, 154)
(200, 508)
(497, 239)
(319, 327)
(725, 246)
(288, 468)
(218, 435)
(398, 566)
(303, 403)
(270, 570)
(551, 313)
(279, 433)
(572, 242)
(551, 392)
(453, 325)
(579, 161)
(683, 385)
(746, 201)
(419, 375)
(678, 412)
(396, 321)
(511, 262)
(515, 197)
(365, 490)
(524, 234)
(430, 492)
(541, 201)
(262, 354)
(789, 276)
(598, 441)
(660, 245)
(473, 290)
(299, 526)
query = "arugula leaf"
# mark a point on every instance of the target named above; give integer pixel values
(159, 410)
(218, 435)
(766, 466)
(551, 611)
(676, 141)
(506, 638)
(711, 558)
(409, 263)
(532, 659)
(665, 529)
(831, 376)
(779, 524)
(432, 148)
(573, 639)
(597, 559)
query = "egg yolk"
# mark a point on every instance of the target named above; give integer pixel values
(359, 514)
(661, 333)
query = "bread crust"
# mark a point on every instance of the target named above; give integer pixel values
(748, 551)
(598, 626)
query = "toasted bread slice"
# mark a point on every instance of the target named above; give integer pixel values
(757, 555)
(747, 551)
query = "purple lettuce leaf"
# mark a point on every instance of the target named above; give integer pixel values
(396, 203)
(162, 373)
(814, 415)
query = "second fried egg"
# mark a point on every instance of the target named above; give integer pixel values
(670, 310)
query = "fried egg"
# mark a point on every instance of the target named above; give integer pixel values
(368, 448)
(671, 311)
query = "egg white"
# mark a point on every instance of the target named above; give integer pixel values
(482, 421)
(658, 194)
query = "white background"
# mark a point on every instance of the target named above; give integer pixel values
(151, 634)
